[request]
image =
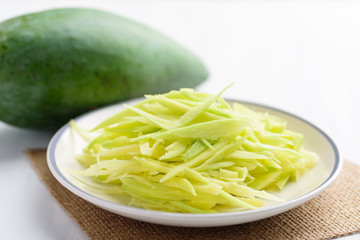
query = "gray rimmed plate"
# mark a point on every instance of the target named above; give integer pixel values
(64, 145)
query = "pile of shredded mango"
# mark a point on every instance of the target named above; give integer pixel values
(192, 152)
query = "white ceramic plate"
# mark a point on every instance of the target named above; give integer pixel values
(65, 144)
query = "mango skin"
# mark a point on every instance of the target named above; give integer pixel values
(58, 64)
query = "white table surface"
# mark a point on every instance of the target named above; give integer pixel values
(300, 56)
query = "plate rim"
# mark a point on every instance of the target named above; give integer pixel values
(129, 211)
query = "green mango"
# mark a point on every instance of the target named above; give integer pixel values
(58, 64)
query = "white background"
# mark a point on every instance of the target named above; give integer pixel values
(300, 56)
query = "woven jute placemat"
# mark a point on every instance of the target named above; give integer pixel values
(334, 213)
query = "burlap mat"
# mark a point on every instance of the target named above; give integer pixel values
(334, 213)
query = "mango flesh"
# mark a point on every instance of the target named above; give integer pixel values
(203, 156)
(57, 64)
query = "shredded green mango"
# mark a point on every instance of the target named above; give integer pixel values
(192, 152)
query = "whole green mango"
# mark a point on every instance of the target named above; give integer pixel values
(57, 64)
